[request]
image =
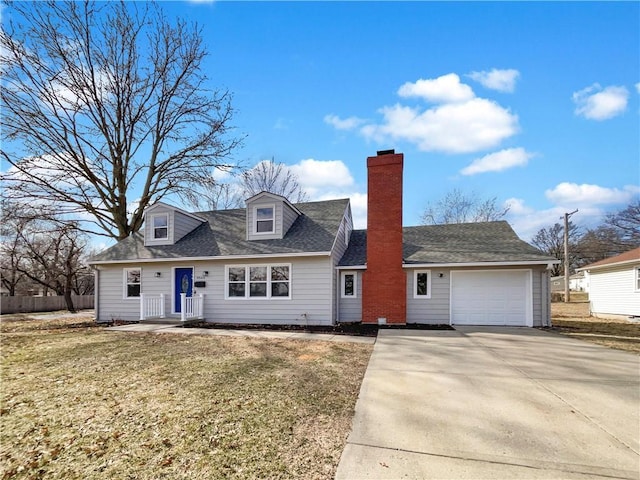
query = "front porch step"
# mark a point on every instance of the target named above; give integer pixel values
(170, 321)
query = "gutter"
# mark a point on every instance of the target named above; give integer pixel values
(548, 263)
(200, 259)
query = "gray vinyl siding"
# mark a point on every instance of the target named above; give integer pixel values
(340, 246)
(536, 285)
(311, 283)
(434, 310)
(350, 308)
(288, 218)
(178, 224)
(148, 231)
(182, 225)
(111, 290)
(310, 301)
(277, 220)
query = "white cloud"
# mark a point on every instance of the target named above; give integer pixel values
(573, 194)
(596, 103)
(501, 80)
(465, 127)
(343, 123)
(331, 179)
(444, 89)
(498, 161)
(319, 174)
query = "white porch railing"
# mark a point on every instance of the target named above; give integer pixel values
(151, 306)
(191, 308)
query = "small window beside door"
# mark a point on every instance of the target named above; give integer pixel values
(422, 284)
(349, 285)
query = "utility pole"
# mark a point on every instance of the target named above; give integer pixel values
(567, 294)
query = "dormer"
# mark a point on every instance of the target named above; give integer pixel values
(269, 216)
(165, 225)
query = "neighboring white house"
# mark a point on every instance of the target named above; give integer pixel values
(579, 282)
(274, 262)
(614, 285)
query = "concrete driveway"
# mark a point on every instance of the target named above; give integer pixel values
(494, 403)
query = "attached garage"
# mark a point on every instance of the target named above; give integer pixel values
(492, 297)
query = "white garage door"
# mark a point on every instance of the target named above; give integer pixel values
(496, 297)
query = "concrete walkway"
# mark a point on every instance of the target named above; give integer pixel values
(288, 334)
(494, 403)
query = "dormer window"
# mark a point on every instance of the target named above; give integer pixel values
(160, 226)
(264, 219)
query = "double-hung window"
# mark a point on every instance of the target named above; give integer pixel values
(264, 219)
(132, 282)
(259, 281)
(637, 279)
(422, 284)
(160, 226)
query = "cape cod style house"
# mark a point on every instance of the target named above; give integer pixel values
(274, 262)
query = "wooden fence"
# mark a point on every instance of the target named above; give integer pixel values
(43, 304)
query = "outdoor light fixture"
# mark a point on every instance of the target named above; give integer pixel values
(206, 273)
(441, 274)
(158, 274)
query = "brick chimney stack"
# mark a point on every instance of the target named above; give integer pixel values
(384, 292)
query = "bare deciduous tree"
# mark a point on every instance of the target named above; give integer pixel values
(551, 241)
(269, 176)
(627, 224)
(38, 248)
(459, 207)
(105, 103)
(212, 194)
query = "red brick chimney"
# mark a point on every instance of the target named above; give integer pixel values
(384, 290)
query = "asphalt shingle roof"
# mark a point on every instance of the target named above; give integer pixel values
(224, 234)
(626, 257)
(454, 243)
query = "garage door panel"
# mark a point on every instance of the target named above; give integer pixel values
(490, 298)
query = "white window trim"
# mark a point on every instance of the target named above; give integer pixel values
(153, 228)
(125, 284)
(247, 281)
(636, 279)
(342, 284)
(255, 219)
(415, 284)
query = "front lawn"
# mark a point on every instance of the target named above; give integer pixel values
(79, 402)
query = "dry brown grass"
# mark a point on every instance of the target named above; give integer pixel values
(573, 319)
(78, 402)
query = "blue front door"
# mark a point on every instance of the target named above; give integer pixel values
(183, 283)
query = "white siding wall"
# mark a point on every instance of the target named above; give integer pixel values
(612, 291)
(350, 308)
(311, 283)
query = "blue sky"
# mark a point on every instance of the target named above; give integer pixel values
(534, 103)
